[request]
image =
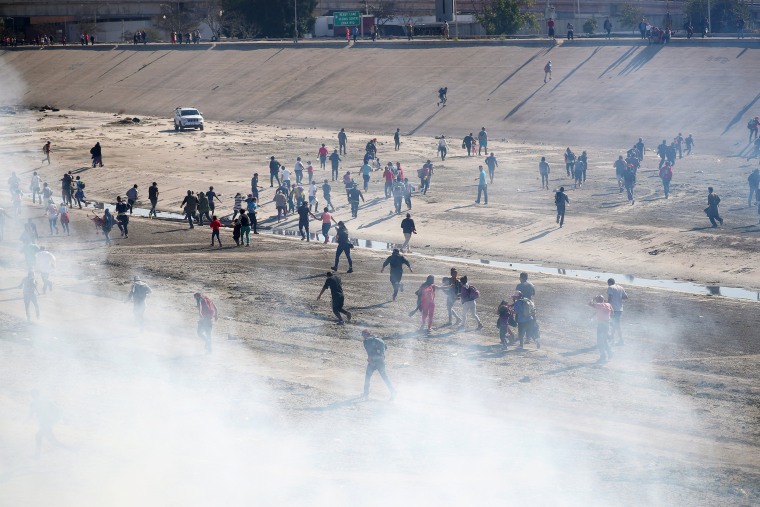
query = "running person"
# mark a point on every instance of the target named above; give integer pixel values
(603, 311)
(408, 228)
(338, 299)
(29, 291)
(375, 348)
(137, 294)
(206, 312)
(396, 261)
(561, 200)
(344, 246)
(153, 198)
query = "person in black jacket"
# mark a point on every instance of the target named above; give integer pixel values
(375, 348)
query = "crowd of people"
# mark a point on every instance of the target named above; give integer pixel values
(297, 192)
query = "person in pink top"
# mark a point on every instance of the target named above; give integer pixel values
(327, 221)
(603, 314)
(322, 154)
(399, 172)
(310, 170)
(215, 226)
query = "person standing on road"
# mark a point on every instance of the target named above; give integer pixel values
(492, 164)
(131, 197)
(327, 221)
(525, 315)
(616, 296)
(754, 187)
(408, 190)
(29, 290)
(397, 140)
(608, 27)
(189, 205)
(298, 170)
(561, 200)
(96, 154)
(550, 29)
(354, 194)
(666, 174)
(482, 185)
(45, 264)
(408, 228)
(304, 211)
(203, 208)
(245, 230)
(335, 163)
(211, 195)
(338, 299)
(322, 154)
(689, 143)
(326, 189)
(544, 170)
(342, 139)
(712, 207)
(63, 213)
(483, 141)
(216, 225)
(467, 143)
(207, 313)
(344, 246)
(46, 152)
(122, 219)
(52, 216)
(453, 290)
(396, 262)
(443, 147)
(570, 31)
(629, 180)
(468, 295)
(34, 186)
(548, 70)
(153, 198)
(525, 287)
(620, 167)
(603, 311)
(366, 171)
(375, 348)
(274, 172)
(137, 294)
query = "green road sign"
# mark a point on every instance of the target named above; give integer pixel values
(348, 18)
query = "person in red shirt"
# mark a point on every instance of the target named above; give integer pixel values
(603, 313)
(322, 153)
(388, 175)
(399, 172)
(215, 226)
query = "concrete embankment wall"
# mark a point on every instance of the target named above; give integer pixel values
(611, 92)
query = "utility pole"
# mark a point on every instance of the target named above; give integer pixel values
(709, 16)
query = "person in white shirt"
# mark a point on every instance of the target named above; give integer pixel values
(285, 177)
(45, 263)
(615, 296)
(443, 147)
(52, 215)
(313, 196)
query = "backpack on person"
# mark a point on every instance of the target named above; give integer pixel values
(752, 124)
(207, 310)
(525, 310)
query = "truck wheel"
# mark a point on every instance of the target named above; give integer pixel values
(201, 127)
(176, 127)
(181, 127)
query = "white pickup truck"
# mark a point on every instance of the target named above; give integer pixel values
(187, 118)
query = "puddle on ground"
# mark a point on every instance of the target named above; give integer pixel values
(671, 285)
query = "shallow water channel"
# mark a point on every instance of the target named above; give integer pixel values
(671, 285)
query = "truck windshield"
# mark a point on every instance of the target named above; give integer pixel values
(190, 112)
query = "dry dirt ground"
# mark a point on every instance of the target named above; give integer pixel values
(271, 416)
